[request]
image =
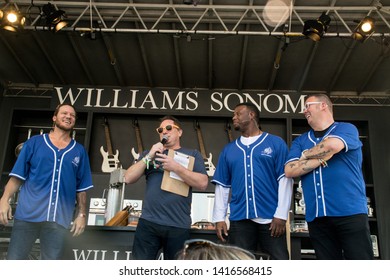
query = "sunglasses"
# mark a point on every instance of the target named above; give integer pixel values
(167, 128)
(201, 244)
(307, 105)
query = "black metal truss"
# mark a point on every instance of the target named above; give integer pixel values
(112, 16)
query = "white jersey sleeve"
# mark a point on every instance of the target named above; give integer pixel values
(284, 198)
(220, 203)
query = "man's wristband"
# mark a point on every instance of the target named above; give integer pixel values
(147, 159)
(82, 215)
(323, 162)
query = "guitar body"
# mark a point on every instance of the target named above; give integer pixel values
(110, 162)
(135, 155)
(210, 168)
(139, 141)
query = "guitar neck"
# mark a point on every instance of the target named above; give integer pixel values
(201, 143)
(108, 140)
(229, 132)
(138, 137)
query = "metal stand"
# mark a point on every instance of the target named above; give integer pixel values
(115, 194)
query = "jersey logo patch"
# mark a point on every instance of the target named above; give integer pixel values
(76, 161)
(267, 152)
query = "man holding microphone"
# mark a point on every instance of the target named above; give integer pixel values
(166, 216)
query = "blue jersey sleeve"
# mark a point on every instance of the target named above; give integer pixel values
(347, 133)
(22, 165)
(84, 177)
(221, 174)
(281, 157)
(296, 148)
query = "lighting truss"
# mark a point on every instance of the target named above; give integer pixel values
(178, 18)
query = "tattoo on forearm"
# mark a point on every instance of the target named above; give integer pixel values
(320, 154)
(305, 166)
(317, 152)
(292, 165)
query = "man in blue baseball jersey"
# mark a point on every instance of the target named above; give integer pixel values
(166, 216)
(251, 168)
(53, 173)
(328, 158)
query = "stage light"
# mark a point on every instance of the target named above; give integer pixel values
(315, 29)
(12, 20)
(364, 29)
(54, 18)
(191, 2)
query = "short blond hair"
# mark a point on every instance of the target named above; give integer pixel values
(201, 249)
(323, 98)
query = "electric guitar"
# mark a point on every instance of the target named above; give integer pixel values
(110, 161)
(139, 141)
(208, 161)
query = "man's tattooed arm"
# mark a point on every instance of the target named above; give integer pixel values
(301, 167)
(314, 157)
(320, 151)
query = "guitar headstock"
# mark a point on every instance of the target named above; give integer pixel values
(228, 127)
(196, 125)
(135, 123)
(105, 121)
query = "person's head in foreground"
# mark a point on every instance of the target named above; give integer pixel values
(200, 249)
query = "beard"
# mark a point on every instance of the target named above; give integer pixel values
(62, 127)
(240, 126)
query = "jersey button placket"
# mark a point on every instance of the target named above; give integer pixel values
(318, 187)
(54, 192)
(249, 172)
(319, 197)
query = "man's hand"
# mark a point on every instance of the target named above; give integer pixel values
(167, 163)
(221, 229)
(78, 225)
(5, 212)
(277, 227)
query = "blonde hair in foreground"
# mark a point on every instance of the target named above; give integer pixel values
(207, 250)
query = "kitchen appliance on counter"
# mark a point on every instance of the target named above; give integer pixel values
(202, 210)
(135, 203)
(97, 209)
(115, 194)
(136, 211)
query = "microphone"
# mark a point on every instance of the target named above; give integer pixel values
(164, 139)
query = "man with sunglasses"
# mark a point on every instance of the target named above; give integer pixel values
(166, 216)
(328, 159)
(251, 168)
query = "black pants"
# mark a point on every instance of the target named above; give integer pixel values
(252, 236)
(150, 237)
(337, 238)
